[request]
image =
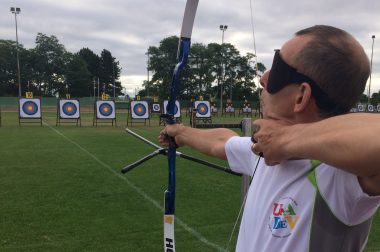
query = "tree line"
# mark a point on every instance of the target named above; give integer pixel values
(49, 69)
(213, 70)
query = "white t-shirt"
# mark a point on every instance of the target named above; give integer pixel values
(278, 213)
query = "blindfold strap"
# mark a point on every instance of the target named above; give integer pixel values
(282, 74)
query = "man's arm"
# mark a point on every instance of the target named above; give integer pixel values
(350, 142)
(210, 142)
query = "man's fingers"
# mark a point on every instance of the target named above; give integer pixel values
(256, 149)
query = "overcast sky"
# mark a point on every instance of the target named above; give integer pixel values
(128, 27)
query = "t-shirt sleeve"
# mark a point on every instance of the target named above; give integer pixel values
(344, 195)
(239, 154)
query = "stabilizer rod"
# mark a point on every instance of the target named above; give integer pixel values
(164, 151)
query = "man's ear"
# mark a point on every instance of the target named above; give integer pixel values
(303, 97)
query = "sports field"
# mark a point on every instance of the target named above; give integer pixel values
(61, 190)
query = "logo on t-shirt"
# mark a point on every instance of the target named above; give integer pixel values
(284, 217)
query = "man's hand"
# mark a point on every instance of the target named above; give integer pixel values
(170, 131)
(268, 140)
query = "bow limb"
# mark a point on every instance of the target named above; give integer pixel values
(182, 55)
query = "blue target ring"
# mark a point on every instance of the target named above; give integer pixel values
(139, 109)
(175, 109)
(105, 109)
(69, 109)
(202, 109)
(156, 107)
(30, 108)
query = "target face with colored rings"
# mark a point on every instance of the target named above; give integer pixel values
(156, 107)
(69, 108)
(203, 108)
(29, 108)
(105, 109)
(139, 109)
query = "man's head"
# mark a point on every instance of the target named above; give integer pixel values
(327, 61)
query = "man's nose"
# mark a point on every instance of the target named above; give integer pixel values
(264, 79)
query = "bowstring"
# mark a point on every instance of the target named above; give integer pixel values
(242, 205)
(259, 157)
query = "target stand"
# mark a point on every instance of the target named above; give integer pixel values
(155, 108)
(138, 113)
(246, 109)
(177, 112)
(214, 109)
(201, 113)
(29, 110)
(229, 109)
(190, 108)
(370, 108)
(104, 112)
(68, 111)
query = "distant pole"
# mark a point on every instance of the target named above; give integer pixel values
(16, 10)
(222, 28)
(98, 87)
(370, 73)
(113, 79)
(147, 83)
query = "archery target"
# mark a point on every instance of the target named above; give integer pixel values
(203, 108)
(177, 110)
(156, 107)
(105, 109)
(229, 108)
(214, 109)
(361, 108)
(69, 109)
(370, 108)
(140, 109)
(378, 108)
(30, 108)
(247, 108)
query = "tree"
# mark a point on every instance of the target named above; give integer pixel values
(48, 68)
(92, 60)
(8, 68)
(109, 73)
(51, 58)
(162, 60)
(77, 77)
(208, 67)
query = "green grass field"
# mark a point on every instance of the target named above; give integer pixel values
(61, 190)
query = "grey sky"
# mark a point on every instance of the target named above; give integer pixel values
(128, 27)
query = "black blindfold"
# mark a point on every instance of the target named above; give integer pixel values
(282, 74)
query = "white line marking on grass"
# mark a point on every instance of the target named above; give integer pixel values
(140, 191)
